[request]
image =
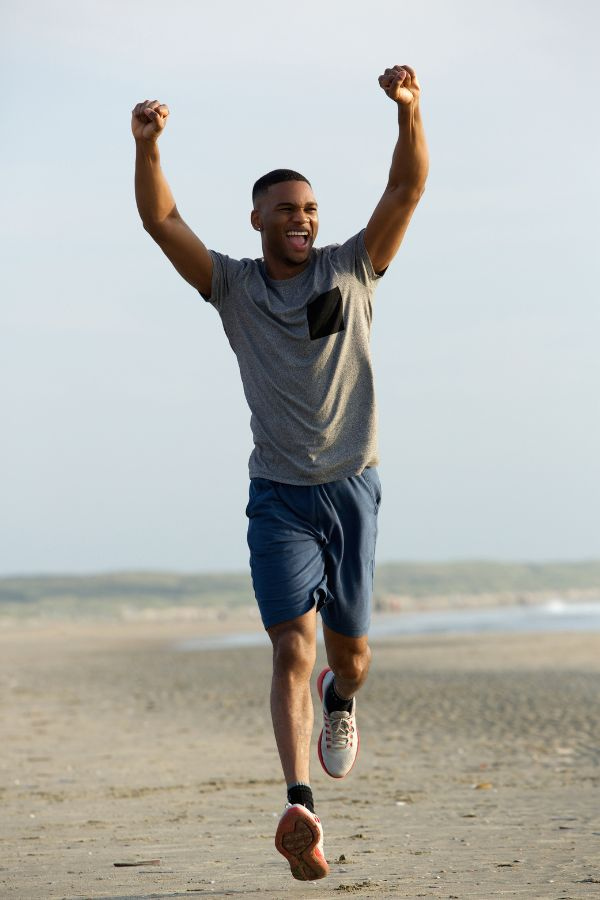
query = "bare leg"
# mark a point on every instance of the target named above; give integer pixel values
(294, 655)
(349, 659)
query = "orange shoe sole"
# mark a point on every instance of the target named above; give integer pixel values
(297, 838)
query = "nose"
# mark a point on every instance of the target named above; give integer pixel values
(300, 217)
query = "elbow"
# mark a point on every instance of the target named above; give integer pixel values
(151, 227)
(154, 230)
(407, 195)
(158, 231)
(156, 226)
(408, 187)
(418, 192)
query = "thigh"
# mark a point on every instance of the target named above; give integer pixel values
(286, 552)
(350, 553)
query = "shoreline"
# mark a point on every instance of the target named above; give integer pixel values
(241, 626)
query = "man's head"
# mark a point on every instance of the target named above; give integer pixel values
(275, 177)
(285, 212)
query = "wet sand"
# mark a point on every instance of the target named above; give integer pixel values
(478, 776)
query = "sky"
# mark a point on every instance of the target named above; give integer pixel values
(124, 431)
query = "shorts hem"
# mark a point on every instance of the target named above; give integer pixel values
(277, 617)
(345, 633)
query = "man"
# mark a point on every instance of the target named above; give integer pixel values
(299, 321)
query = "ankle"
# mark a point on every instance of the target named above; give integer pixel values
(301, 793)
(333, 701)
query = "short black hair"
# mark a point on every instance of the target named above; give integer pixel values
(275, 177)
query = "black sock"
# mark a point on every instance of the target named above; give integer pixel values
(301, 793)
(334, 702)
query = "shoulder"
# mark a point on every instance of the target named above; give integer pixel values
(348, 248)
(229, 272)
(230, 262)
(228, 269)
(351, 257)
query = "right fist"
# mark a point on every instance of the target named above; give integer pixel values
(148, 120)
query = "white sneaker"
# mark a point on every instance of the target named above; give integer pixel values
(299, 838)
(339, 740)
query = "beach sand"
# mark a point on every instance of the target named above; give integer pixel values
(478, 774)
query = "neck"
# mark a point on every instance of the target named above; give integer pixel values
(281, 269)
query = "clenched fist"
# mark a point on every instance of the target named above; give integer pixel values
(400, 84)
(148, 120)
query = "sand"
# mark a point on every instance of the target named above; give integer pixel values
(478, 774)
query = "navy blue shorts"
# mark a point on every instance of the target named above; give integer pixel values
(312, 545)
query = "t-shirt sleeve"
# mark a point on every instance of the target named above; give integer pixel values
(225, 271)
(352, 256)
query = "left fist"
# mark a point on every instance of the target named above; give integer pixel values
(400, 84)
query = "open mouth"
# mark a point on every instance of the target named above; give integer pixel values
(298, 239)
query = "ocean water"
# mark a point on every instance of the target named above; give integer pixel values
(555, 615)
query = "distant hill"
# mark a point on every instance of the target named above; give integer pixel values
(397, 585)
(106, 595)
(479, 577)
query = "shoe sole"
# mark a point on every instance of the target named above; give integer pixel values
(297, 840)
(320, 680)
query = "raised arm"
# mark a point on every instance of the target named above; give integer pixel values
(408, 172)
(155, 202)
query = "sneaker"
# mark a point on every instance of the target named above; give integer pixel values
(299, 838)
(338, 741)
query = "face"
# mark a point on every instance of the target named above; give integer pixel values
(286, 215)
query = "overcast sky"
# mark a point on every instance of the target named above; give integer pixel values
(125, 435)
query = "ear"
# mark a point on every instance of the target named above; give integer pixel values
(255, 220)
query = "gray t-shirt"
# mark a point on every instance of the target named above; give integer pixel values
(302, 345)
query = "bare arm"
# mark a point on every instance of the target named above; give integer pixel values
(155, 202)
(408, 173)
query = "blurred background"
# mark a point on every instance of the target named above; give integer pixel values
(125, 434)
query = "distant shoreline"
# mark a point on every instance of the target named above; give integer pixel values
(210, 598)
(415, 616)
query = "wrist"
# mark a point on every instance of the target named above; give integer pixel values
(408, 113)
(147, 147)
(407, 109)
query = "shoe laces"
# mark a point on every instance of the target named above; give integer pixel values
(339, 730)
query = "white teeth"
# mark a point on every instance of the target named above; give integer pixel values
(297, 233)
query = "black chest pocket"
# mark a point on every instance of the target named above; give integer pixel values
(325, 314)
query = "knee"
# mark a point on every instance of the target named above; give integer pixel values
(294, 653)
(353, 665)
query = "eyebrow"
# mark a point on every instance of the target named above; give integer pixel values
(296, 205)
